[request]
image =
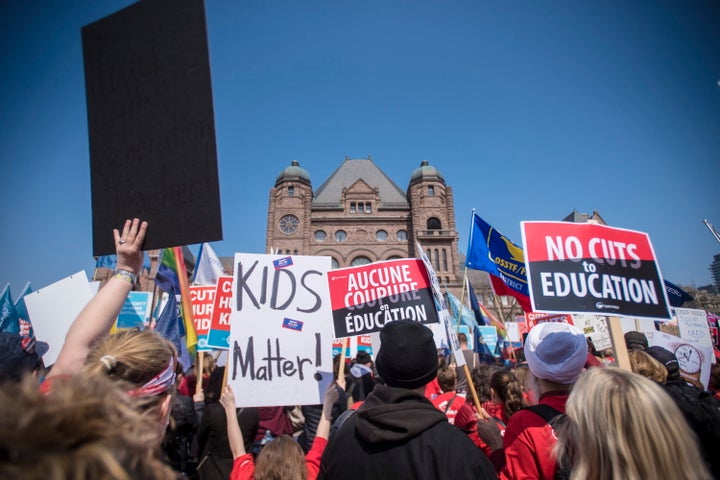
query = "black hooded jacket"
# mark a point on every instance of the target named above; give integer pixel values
(399, 434)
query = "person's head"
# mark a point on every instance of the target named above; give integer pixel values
(86, 427)
(213, 389)
(636, 340)
(522, 373)
(19, 355)
(407, 357)
(556, 354)
(506, 389)
(622, 425)
(462, 338)
(363, 358)
(208, 365)
(480, 376)
(667, 359)
(645, 365)
(141, 358)
(447, 378)
(281, 459)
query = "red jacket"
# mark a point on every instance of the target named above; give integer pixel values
(528, 442)
(244, 466)
(449, 403)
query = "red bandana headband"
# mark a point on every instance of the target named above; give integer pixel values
(160, 383)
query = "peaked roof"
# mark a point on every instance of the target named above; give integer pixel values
(352, 170)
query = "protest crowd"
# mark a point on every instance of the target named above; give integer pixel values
(122, 406)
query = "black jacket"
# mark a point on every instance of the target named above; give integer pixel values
(398, 434)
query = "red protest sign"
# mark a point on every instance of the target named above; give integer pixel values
(533, 318)
(202, 298)
(364, 298)
(588, 268)
(220, 320)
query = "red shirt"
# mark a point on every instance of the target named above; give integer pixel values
(449, 403)
(244, 466)
(432, 389)
(528, 442)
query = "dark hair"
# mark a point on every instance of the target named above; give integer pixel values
(508, 388)
(213, 389)
(480, 377)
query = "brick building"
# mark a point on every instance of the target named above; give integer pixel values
(359, 215)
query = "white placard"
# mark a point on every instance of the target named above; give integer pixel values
(52, 310)
(693, 358)
(281, 330)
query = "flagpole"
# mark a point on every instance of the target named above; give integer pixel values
(712, 230)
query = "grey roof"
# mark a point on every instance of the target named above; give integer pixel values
(352, 170)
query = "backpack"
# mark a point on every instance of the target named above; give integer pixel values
(555, 419)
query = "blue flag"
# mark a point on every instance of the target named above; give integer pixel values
(676, 295)
(170, 325)
(475, 305)
(22, 313)
(106, 261)
(8, 316)
(482, 349)
(492, 252)
(460, 312)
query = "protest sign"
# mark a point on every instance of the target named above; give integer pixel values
(693, 327)
(135, 312)
(588, 268)
(490, 336)
(594, 327)
(533, 318)
(52, 310)
(712, 320)
(149, 110)
(366, 297)
(220, 320)
(694, 359)
(280, 330)
(202, 298)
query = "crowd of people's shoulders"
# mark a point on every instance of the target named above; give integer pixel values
(120, 406)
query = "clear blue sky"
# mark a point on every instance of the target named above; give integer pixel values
(529, 110)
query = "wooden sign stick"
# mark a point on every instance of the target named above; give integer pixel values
(618, 343)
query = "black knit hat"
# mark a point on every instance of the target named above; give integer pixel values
(667, 358)
(407, 357)
(635, 340)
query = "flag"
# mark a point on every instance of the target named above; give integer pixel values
(492, 320)
(475, 305)
(676, 295)
(492, 252)
(481, 348)
(170, 325)
(106, 261)
(146, 262)
(460, 313)
(208, 267)
(8, 316)
(26, 329)
(171, 277)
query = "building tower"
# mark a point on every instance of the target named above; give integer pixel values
(359, 215)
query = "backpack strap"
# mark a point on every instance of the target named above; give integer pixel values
(449, 404)
(546, 412)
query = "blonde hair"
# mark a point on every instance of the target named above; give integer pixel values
(647, 366)
(134, 356)
(86, 427)
(622, 425)
(281, 459)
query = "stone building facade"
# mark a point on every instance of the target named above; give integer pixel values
(359, 215)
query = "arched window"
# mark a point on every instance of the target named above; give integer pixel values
(381, 235)
(444, 259)
(334, 263)
(402, 235)
(320, 235)
(340, 236)
(361, 260)
(433, 223)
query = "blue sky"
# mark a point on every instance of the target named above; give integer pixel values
(528, 109)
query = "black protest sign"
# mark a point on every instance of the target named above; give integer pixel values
(150, 124)
(588, 268)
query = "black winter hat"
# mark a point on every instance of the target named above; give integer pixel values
(636, 340)
(667, 358)
(363, 357)
(407, 357)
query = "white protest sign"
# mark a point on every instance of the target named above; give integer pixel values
(441, 306)
(280, 330)
(694, 327)
(53, 309)
(594, 327)
(693, 358)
